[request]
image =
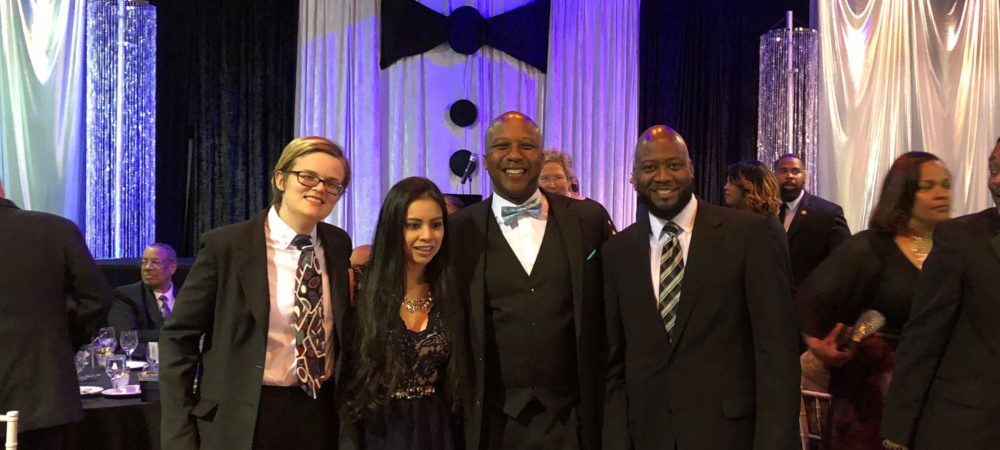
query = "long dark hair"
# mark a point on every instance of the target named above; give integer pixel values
(378, 365)
(899, 191)
(760, 187)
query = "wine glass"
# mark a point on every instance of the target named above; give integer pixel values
(81, 359)
(115, 367)
(153, 355)
(128, 341)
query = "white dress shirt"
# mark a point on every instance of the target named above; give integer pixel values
(792, 208)
(685, 221)
(282, 263)
(526, 238)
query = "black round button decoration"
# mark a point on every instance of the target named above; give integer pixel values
(463, 113)
(466, 30)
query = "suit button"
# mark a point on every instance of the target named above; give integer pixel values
(532, 290)
(479, 404)
(532, 323)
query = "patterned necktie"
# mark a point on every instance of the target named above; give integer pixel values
(164, 307)
(310, 337)
(511, 214)
(671, 274)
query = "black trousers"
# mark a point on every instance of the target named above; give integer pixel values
(51, 438)
(535, 428)
(287, 418)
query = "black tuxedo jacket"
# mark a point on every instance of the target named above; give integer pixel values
(135, 308)
(225, 299)
(945, 391)
(584, 225)
(729, 378)
(43, 263)
(816, 230)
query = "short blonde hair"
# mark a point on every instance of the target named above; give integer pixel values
(562, 158)
(303, 146)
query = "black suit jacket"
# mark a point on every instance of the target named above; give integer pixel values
(816, 230)
(135, 308)
(729, 378)
(225, 298)
(52, 300)
(584, 225)
(945, 391)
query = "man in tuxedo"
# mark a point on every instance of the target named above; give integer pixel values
(945, 390)
(536, 320)
(702, 346)
(145, 305)
(815, 226)
(52, 300)
(268, 297)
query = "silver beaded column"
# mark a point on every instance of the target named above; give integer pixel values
(121, 127)
(787, 113)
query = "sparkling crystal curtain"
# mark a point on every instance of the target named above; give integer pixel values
(394, 123)
(41, 105)
(907, 75)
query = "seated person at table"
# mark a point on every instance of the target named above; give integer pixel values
(145, 305)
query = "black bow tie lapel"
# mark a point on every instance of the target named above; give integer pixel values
(410, 28)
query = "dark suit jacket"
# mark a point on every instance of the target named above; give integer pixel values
(729, 379)
(225, 298)
(135, 308)
(818, 227)
(585, 225)
(52, 300)
(945, 391)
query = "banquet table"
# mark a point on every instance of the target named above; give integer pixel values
(115, 423)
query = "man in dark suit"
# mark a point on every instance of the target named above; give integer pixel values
(945, 390)
(533, 268)
(815, 226)
(43, 263)
(268, 296)
(702, 346)
(144, 305)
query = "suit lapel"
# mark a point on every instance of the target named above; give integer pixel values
(476, 242)
(995, 228)
(253, 271)
(705, 238)
(152, 306)
(638, 244)
(801, 213)
(568, 222)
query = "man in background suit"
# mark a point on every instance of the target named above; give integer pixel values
(268, 296)
(145, 305)
(52, 300)
(815, 226)
(702, 346)
(945, 390)
(536, 317)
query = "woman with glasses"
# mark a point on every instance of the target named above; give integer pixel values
(258, 325)
(411, 367)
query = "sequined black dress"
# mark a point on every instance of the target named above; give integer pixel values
(417, 417)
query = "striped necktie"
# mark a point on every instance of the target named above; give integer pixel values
(671, 274)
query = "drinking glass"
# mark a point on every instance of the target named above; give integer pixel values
(128, 341)
(104, 344)
(115, 367)
(81, 359)
(153, 356)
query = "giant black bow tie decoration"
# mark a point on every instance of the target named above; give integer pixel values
(410, 28)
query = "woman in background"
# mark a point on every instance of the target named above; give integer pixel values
(751, 186)
(874, 269)
(557, 175)
(410, 365)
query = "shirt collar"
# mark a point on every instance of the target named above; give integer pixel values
(683, 219)
(499, 202)
(279, 233)
(792, 205)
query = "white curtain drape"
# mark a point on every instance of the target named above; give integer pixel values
(901, 76)
(394, 123)
(41, 105)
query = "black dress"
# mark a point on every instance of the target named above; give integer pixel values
(417, 417)
(868, 271)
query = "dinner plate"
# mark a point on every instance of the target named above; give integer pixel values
(136, 364)
(90, 390)
(131, 390)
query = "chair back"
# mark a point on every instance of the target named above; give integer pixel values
(812, 415)
(11, 419)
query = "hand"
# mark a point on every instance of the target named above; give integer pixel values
(826, 349)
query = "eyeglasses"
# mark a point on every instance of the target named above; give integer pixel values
(309, 179)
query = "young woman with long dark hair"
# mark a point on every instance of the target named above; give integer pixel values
(410, 366)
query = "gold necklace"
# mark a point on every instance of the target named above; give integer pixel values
(921, 247)
(421, 304)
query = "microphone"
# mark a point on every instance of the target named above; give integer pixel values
(471, 166)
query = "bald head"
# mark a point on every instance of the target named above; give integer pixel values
(510, 117)
(663, 172)
(661, 135)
